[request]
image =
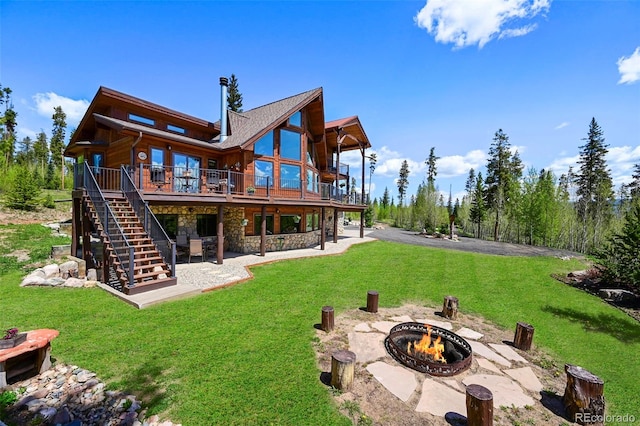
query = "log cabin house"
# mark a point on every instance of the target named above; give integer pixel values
(150, 181)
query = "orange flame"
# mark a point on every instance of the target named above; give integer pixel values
(425, 347)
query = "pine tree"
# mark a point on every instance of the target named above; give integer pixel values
(373, 159)
(41, 151)
(478, 212)
(386, 198)
(56, 145)
(24, 191)
(594, 187)
(403, 182)
(634, 185)
(621, 258)
(470, 184)
(432, 170)
(8, 126)
(499, 178)
(234, 97)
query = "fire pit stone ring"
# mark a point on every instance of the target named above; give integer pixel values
(455, 350)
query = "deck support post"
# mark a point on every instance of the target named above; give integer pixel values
(263, 231)
(323, 231)
(220, 248)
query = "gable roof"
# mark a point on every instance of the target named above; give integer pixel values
(250, 125)
(349, 127)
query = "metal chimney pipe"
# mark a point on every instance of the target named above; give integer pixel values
(224, 82)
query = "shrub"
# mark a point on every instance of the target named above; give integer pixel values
(23, 191)
(620, 259)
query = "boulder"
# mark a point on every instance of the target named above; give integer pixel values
(51, 271)
(74, 282)
(33, 279)
(616, 295)
(92, 274)
(69, 269)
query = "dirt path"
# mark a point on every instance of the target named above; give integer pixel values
(467, 244)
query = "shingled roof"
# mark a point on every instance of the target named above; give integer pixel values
(250, 125)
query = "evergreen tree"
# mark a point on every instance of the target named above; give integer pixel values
(24, 191)
(25, 155)
(234, 97)
(432, 170)
(478, 210)
(499, 181)
(594, 187)
(386, 198)
(621, 258)
(470, 184)
(634, 185)
(8, 124)
(41, 151)
(373, 159)
(56, 144)
(50, 182)
(403, 182)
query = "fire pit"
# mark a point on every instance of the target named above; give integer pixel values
(428, 349)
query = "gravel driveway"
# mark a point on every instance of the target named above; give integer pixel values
(467, 244)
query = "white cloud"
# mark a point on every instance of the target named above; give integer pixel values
(469, 22)
(561, 125)
(24, 132)
(620, 160)
(459, 165)
(629, 68)
(74, 109)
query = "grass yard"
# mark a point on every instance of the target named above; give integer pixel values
(243, 355)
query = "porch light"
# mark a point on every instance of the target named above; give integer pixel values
(245, 222)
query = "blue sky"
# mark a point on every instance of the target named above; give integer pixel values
(440, 73)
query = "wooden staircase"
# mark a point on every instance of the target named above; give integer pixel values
(150, 271)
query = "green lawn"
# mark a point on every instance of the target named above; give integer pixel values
(243, 355)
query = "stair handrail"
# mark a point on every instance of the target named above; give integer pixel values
(150, 223)
(107, 218)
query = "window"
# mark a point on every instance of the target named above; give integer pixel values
(309, 222)
(176, 129)
(289, 144)
(170, 224)
(313, 221)
(312, 181)
(141, 119)
(157, 158)
(311, 157)
(264, 173)
(207, 225)
(257, 224)
(289, 176)
(296, 119)
(186, 172)
(264, 145)
(289, 224)
(212, 164)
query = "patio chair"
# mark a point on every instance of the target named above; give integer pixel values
(158, 179)
(213, 182)
(196, 248)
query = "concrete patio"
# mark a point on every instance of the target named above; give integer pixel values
(198, 277)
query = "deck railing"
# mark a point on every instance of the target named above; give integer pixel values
(118, 240)
(168, 179)
(165, 245)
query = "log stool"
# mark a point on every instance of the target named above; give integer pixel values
(479, 406)
(583, 397)
(327, 318)
(450, 307)
(372, 301)
(524, 336)
(342, 369)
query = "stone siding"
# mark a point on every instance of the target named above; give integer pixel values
(282, 242)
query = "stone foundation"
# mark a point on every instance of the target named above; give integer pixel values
(282, 242)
